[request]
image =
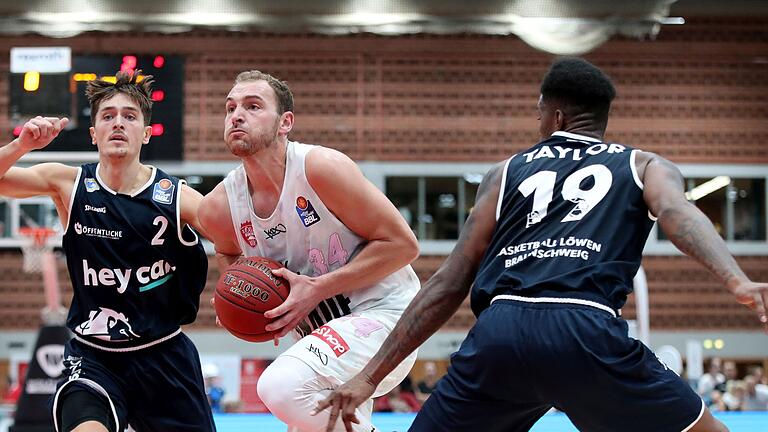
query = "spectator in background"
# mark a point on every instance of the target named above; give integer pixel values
(381, 404)
(755, 395)
(427, 385)
(399, 399)
(759, 373)
(716, 401)
(730, 372)
(213, 388)
(734, 397)
(710, 380)
(408, 395)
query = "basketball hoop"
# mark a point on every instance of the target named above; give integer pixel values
(39, 258)
(35, 247)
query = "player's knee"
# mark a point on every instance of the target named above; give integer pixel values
(287, 388)
(276, 388)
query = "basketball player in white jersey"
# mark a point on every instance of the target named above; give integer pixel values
(345, 247)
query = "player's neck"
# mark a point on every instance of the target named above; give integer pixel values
(592, 133)
(584, 124)
(266, 168)
(125, 178)
(266, 173)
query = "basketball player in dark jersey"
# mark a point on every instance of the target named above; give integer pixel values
(549, 253)
(137, 270)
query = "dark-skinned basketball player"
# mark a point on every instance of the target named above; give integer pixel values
(549, 252)
(137, 270)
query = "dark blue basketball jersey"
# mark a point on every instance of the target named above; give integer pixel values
(571, 223)
(137, 274)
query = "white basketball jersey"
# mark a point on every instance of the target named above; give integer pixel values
(308, 239)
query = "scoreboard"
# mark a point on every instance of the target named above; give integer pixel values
(63, 94)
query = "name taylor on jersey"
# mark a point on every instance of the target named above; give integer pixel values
(557, 152)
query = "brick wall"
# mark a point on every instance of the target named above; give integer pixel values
(696, 94)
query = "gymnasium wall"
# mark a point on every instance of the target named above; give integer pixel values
(697, 94)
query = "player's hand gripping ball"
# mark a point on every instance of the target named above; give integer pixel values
(244, 292)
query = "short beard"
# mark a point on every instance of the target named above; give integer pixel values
(250, 145)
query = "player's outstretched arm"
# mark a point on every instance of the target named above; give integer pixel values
(41, 179)
(437, 301)
(692, 232)
(215, 222)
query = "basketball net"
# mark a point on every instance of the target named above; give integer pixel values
(39, 258)
(35, 247)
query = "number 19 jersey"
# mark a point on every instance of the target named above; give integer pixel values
(571, 223)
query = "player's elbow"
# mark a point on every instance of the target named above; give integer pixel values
(410, 247)
(673, 210)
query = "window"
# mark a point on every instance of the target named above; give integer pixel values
(736, 206)
(434, 207)
(440, 210)
(436, 199)
(748, 196)
(5, 219)
(38, 212)
(404, 194)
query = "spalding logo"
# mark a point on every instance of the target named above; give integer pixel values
(265, 269)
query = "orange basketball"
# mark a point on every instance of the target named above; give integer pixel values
(244, 292)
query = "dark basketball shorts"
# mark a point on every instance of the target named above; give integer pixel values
(159, 388)
(521, 359)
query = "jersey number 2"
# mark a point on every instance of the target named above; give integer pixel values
(542, 185)
(163, 222)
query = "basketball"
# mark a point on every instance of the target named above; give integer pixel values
(244, 292)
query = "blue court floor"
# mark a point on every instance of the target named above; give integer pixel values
(736, 422)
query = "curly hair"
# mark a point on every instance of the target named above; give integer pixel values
(128, 83)
(580, 86)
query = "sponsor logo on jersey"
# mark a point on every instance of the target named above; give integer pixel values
(149, 276)
(334, 340)
(74, 365)
(163, 192)
(98, 232)
(108, 325)
(274, 231)
(91, 185)
(319, 354)
(96, 209)
(306, 212)
(246, 231)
